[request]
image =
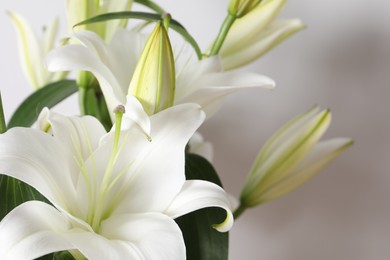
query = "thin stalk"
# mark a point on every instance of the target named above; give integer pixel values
(239, 211)
(226, 25)
(82, 101)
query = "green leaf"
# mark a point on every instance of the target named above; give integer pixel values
(63, 255)
(173, 24)
(152, 5)
(27, 113)
(14, 192)
(95, 105)
(202, 241)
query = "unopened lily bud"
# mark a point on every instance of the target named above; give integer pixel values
(239, 8)
(33, 50)
(291, 157)
(154, 78)
(257, 33)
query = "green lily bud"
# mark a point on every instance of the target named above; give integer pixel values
(239, 8)
(291, 157)
(154, 78)
(80, 10)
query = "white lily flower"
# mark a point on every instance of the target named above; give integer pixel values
(256, 33)
(291, 157)
(80, 10)
(203, 82)
(114, 196)
(33, 51)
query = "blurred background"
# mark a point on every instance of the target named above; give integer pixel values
(340, 61)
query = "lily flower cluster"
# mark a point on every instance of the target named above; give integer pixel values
(130, 177)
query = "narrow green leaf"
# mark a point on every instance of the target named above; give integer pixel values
(174, 25)
(152, 5)
(14, 192)
(27, 113)
(202, 241)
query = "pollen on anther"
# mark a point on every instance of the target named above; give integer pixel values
(120, 109)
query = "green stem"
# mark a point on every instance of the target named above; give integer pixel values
(239, 211)
(3, 126)
(82, 101)
(227, 24)
(84, 83)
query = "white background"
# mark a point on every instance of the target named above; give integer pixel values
(341, 61)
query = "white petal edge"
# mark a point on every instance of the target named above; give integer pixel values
(32, 230)
(79, 58)
(200, 147)
(159, 164)
(197, 194)
(215, 86)
(155, 235)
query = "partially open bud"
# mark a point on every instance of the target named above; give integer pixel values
(239, 8)
(80, 10)
(33, 50)
(291, 157)
(154, 78)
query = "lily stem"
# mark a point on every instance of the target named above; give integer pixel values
(239, 211)
(226, 25)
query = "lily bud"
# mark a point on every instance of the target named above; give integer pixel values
(291, 157)
(154, 78)
(239, 8)
(80, 10)
(33, 50)
(256, 33)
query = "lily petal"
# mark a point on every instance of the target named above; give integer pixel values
(79, 58)
(125, 47)
(153, 235)
(200, 147)
(80, 134)
(193, 72)
(260, 44)
(32, 230)
(39, 160)
(197, 194)
(170, 131)
(212, 87)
